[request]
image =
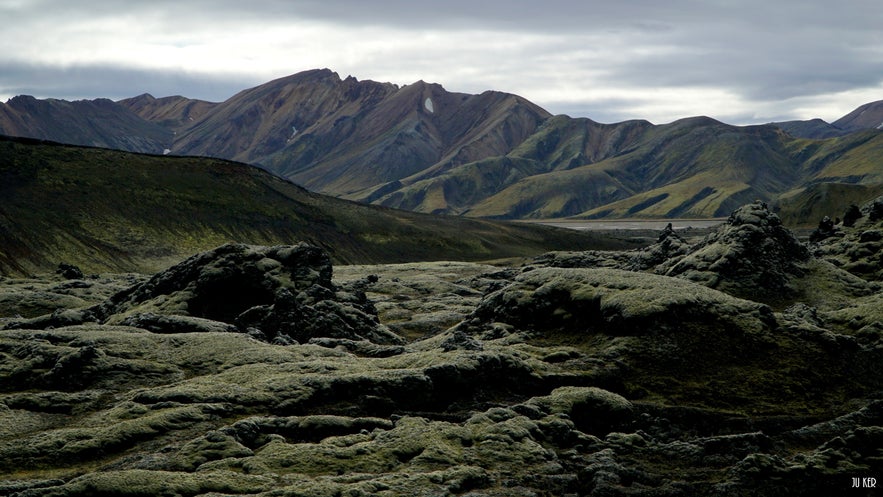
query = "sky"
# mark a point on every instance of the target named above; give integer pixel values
(741, 62)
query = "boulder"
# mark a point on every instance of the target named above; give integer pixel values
(69, 271)
(593, 410)
(860, 248)
(669, 245)
(852, 214)
(826, 229)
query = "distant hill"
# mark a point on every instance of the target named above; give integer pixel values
(97, 123)
(109, 210)
(813, 128)
(422, 148)
(868, 116)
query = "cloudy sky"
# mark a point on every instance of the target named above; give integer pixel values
(741, 62)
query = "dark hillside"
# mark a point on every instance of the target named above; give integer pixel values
(109, 210)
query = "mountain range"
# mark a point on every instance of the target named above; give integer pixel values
(496, 155)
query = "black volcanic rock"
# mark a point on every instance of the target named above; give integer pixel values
(852, 214)
(281, 294)
(668, 245)
(616, 303)
(752, 254)
(860, 248)
(270, 292)
(826, 229)
(69, 271)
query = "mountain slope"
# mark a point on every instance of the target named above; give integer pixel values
(867, 116)
(419, 128)
(99, 123)
(174, 113)
(813, 128)
(693, 167)
(260, 121)
(560, 143)
(837, 173)
(108, 210)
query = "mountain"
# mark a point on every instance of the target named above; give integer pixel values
(419, 147)
(835, 174)
(98, 123)
(174, 113)
(344, 136)
(109, 210)
(695, 167)
(868, 116)
(813, 128)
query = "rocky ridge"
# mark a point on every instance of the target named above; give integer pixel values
(251, 370)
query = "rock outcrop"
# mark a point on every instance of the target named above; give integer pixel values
(860, 248)
(752, 255)
(282, 294)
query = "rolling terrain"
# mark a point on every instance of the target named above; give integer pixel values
(419, 147)
(108, 210)
(747, 363)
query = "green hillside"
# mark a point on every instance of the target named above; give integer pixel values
(695, 167)
(109, 210)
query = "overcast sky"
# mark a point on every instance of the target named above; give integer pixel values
(740, 62)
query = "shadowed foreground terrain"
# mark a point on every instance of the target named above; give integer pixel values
(747, 363)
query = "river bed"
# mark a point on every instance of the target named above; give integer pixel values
(630, 224)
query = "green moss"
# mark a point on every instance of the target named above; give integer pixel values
(133, 483)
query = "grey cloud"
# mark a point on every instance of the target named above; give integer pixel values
(760, 51)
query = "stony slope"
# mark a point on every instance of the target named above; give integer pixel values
(106, 210)
(646, 377)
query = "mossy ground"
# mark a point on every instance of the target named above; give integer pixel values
(666, 395)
